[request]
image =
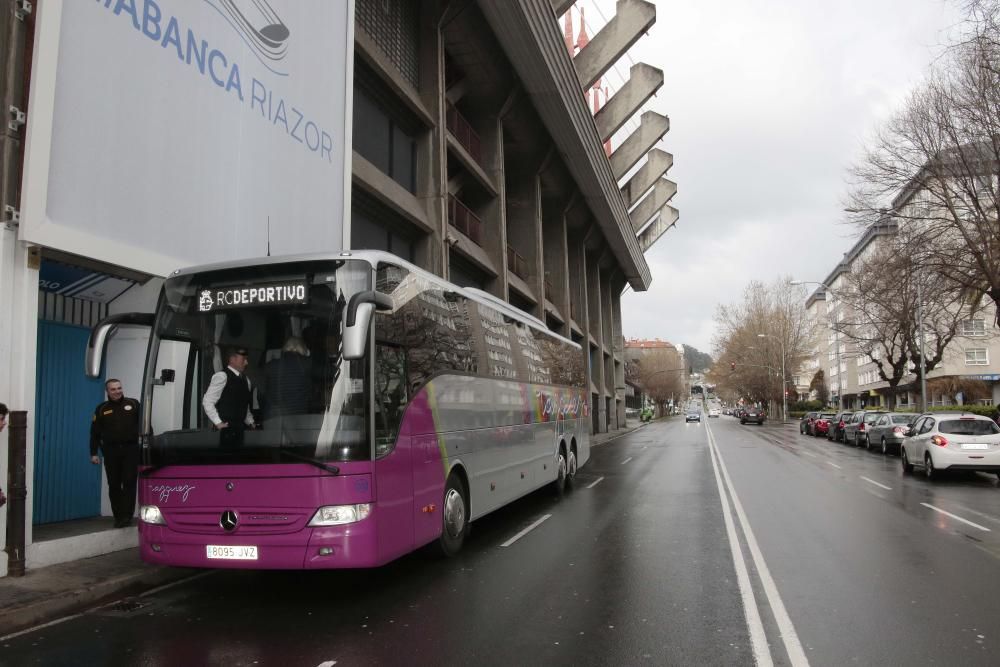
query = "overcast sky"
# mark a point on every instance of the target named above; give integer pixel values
(769, 102)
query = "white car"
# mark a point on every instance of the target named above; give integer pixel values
(714, 412)
(952, 441)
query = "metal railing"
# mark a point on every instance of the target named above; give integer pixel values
(462, 130)
(464, 220)
(516, 263)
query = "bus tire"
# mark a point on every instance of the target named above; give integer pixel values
(454, 517)
(571, 467)
(559, 485)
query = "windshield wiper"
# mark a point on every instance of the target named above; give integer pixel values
(333, 470)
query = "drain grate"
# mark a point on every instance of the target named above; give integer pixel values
(124, 607)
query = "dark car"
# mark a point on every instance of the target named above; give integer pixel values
(836, 430)
(807, 421)
(822, 424)
(755, 415)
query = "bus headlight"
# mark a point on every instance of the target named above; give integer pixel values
(336, 515)
(151, 514)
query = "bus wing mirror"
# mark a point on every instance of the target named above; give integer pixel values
(100, 333)
(357, 318)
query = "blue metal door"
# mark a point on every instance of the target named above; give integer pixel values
(66, 484)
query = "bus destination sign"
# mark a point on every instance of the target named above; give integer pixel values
(266, 294)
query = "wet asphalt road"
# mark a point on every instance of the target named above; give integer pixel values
(635, 566)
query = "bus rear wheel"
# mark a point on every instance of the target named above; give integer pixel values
(562, 472)
(571, 467)
(454, 517)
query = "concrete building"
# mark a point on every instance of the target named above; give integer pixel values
(479, 153)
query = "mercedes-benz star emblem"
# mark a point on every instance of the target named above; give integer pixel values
(229, 520)
(229, 486)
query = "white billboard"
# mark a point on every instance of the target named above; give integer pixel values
(165, 133)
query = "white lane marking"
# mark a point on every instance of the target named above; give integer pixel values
(956, 517)
(835, 465)
(881, 486)
(595, 482)
(40, 627)
(758, 639)
(815, 456)
(796, 655)
(327, 663)
(152, 591)
(173, 584)
(526, 531)
(626, 460)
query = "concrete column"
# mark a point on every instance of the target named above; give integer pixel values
(596, 336)
(652, 127)
(619, 352)
(555, 268)
(494, 214)
(644, 80)
(657, 164)
(524, 233)
(432, 149)
(631, 21)
(667, 219)
(663, 192)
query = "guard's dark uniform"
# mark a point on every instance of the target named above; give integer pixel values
(115, 430)
(232, 406)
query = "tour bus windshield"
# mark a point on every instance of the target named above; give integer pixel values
(305, 403)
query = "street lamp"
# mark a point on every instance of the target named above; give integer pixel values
(836, 342)
(784, 395)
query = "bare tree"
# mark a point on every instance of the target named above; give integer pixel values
(767, 329)
(934, 168)
(659, 372)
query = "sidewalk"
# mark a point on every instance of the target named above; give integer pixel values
(601, 438)
(48, 593)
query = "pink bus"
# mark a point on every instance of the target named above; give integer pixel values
(391, 408)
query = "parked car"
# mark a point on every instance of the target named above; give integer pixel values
(952, 441)
(755, 415)
(856, 430)
(837, 424)
(714, 412)
(692, 416)
(822, 424)
(806, 423)
(889, 431)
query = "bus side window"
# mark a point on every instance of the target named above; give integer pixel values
(390, 395)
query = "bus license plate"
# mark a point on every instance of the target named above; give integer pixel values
(231, 552)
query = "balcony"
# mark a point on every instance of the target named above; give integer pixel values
(464, 220)
(516, 263)
(464, 134)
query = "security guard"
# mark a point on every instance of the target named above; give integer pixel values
(115, 430)
(228, 399)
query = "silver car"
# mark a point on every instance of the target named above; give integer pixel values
(952, 441)
(889, 431)
(856, 430)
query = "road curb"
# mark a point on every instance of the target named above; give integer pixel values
(17, 618)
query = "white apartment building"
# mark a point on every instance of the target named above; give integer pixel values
(968, 373)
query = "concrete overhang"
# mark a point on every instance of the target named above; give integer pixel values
(529, 34)
(668, 218)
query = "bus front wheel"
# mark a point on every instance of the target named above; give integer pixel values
(454, 517)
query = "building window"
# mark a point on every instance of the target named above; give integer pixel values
(394, 26)
(382, 141)
(974, 327)
(976, 357)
